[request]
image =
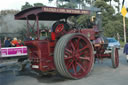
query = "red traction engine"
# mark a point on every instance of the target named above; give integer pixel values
(70, 51)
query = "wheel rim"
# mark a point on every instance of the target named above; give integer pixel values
(116, 57)
(59, 28)
(78, 56)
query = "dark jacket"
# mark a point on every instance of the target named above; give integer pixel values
(7, 43)
(126, 49)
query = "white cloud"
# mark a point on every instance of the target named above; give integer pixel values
(16, 4)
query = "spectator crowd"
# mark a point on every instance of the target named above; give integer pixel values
(8, 42)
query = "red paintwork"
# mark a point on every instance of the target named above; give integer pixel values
(47, 47)
(101, 56)
(116, 57)
(78, 56)
(53, 36)
(90, 33)
(59, 28)
(41, 52)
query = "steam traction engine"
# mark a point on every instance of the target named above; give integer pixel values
(69, 50)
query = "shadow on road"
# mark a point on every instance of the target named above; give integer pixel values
(51, 79)
(44, 78)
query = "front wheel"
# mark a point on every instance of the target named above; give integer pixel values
(115, 57)
(73, 56)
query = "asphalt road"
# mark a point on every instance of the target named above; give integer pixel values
(102, 74)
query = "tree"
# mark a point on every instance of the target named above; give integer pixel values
(112, 28)
(68, 5)
(82, 20)
(79, 3)
(108, 22)
(118, 7)
(50, 0)
(104, 7)
(38, 4)
(58, 2)
(26, 6)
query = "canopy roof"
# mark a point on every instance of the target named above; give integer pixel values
(49, 13)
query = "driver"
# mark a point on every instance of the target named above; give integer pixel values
(43, 34)
(91, 22)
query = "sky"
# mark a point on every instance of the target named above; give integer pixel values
(16, 4)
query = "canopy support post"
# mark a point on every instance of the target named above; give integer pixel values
(37, 21)
(28, 34)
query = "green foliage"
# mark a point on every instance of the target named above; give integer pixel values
(116, 0)
(112, 28)
(112, 23)
(38, 4)
(6, 12)
(105, 8)
(82, 20)
(122, 43)
(50, 0)
(72, 3)
(28, 5)
(67, 5)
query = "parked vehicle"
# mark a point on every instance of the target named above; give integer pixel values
(112, 42)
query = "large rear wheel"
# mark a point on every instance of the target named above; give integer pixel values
(73, 56)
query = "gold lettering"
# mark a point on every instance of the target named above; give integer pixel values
(84, 12)
(68, 11)
(50, 9)
(65, 10)
(62, 10)
(57, 10)
(76, 11)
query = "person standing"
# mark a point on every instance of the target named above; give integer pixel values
(20, 43)
(7, 43)
(5, 38)
(126, 50)
(14, 42)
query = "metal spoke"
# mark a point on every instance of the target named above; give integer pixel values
(82, 49)
(85, 58)
(81, 66)
(77, 43)
(70, 64)
(66, 53)
(70, 51)
(72, 45)
(67, 58)
(84, 52)
(74, 68)
(67, 63)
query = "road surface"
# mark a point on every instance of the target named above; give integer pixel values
(102, 74)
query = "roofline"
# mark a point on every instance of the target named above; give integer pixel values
(36, 10)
